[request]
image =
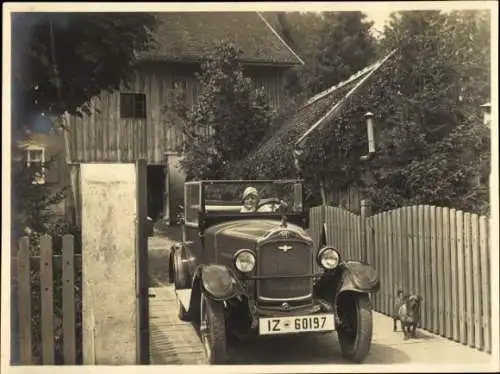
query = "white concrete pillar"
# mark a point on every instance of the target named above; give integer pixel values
(109, 211)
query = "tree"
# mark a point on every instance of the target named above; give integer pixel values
(80, 53)
(229, 119)
(433, 148)
(59, 62)
(345, 46)
(32, 202)
(300, 30)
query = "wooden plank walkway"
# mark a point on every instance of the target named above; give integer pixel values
(172, 340)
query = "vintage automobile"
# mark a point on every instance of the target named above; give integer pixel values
(248, 274)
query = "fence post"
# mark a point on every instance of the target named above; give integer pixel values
(485, 281)
(24, 300)
(47, 299)
(366, 211)
(142, 348)
(68, 273)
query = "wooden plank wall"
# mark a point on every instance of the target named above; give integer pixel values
(441, 254)
(105, 137)
(438, 253)
(348, 198)
(316, 228)
(343, 232)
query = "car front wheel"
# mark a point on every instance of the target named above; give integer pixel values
(355, 331)
(213, 330)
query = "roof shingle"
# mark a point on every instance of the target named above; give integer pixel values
(189, 36)
(311, 112)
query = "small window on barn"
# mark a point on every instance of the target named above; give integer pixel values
(132, 105)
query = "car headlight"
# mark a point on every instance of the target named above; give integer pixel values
(244, 260)
(328, 258)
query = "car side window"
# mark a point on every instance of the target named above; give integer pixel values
(192, 202)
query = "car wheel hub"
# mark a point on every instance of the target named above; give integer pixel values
(204, 330)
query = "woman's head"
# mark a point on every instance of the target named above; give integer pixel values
(250, 198)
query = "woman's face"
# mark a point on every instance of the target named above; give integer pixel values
(250, 202)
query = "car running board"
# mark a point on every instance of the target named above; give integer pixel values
(184, 297)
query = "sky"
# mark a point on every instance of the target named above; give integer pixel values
(379, 17)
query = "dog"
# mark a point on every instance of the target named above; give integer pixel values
(407, 310)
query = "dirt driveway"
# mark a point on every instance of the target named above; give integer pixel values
(159, 250)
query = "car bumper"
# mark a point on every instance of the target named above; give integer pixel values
(318, 306)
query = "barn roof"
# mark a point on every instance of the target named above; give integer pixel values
(317, 110)
(189, 36)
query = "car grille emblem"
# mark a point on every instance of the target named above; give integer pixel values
(284, 234)
(285, 248)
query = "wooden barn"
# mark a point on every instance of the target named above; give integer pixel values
(130, 124)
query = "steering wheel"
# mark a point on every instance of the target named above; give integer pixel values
(274, 204)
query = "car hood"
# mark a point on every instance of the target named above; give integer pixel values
(253, 229)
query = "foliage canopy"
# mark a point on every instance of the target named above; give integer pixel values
(83, 53)
(432, 147)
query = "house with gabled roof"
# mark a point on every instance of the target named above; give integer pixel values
(316, 112)
(129, 124)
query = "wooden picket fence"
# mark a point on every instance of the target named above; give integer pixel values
(439, 253)
(46, 264)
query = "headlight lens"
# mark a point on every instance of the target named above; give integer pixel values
(329, 258)
(244, 261)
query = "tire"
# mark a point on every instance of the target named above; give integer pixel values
(177, 275)
(355, 332)
(213, 331)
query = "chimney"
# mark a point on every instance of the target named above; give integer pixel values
(370, 132)
(486, 108)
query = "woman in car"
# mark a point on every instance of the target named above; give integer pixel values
(251, 201)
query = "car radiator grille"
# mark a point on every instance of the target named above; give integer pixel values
(275, 262)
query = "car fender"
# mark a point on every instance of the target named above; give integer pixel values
(359, 277)
(217, 282)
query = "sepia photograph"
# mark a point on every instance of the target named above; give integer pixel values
(272, 187)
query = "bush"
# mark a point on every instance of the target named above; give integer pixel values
(230, 118)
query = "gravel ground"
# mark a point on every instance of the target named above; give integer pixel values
(159, 250)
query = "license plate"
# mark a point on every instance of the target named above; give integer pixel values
(294, 324)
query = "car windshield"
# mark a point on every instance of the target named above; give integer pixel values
(253, 196)
(240, 197)
(246, 196)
